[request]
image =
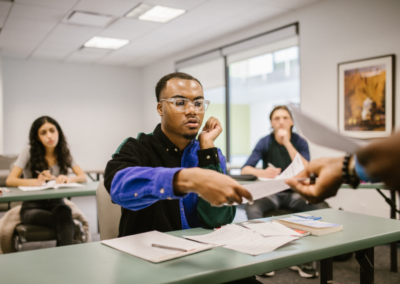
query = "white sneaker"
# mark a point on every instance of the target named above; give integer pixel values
(268, 274)
(305, 271)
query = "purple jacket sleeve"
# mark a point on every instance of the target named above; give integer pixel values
(136, 188)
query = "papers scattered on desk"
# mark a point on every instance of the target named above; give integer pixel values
(268, 229)
(50, 184)
(140, 245)
(316, 228)
(244, 240)
(266, 187)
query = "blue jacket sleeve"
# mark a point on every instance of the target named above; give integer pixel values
(136, 188)
(302, 148)
(257, 153)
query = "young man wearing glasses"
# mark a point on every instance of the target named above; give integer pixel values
(167, 180)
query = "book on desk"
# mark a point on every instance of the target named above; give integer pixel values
(316, 228)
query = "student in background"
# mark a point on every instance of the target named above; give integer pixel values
(47, 157)
(277, 150)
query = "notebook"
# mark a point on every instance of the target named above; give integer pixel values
(316, 228)
(50, 184)
(140, 245)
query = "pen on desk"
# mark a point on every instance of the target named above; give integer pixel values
(168, 247)
(271, 166)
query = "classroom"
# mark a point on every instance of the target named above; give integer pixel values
(221, 124)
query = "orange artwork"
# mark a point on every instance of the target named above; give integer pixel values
(364, 99)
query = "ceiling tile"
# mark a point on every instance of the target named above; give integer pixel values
(2, 20)
(286, 4)
(60, 4)
(107, 7)
(87, 55)
(38, 13)
(50, 53)
(5, 8)
(129, 29)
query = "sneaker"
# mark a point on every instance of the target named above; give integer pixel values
(305, 271)
(268, 274)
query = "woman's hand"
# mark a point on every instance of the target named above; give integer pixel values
(62, 179)
(43, 177)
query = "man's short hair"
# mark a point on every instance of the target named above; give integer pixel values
(280, 107)
(163, 81)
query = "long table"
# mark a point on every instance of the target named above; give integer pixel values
(97, 263)
(19, 195)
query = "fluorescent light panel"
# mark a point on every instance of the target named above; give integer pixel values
(139, 10)
(106, 42)
(159, 14)
(89, 19)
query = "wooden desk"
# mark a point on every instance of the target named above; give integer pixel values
(96, 263)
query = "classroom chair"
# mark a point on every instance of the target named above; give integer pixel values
(108, 214)
(30, 237)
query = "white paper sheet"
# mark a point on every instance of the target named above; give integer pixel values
(268, 229)
(271, 186)
(140, 245)
(50, 184)
(323, 135)
(243, 240)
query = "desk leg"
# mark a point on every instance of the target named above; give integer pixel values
(90, 176)
(97, 176)
(326, 271)
(393, 246)
(365, 258)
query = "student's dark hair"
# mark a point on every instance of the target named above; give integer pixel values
(280, 107)
(163, 81)
(37, 160)
(284, 108)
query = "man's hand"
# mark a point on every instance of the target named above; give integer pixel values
(329, 173)
(282, 136)
(270, 172)
(211, 131)
(216, 188)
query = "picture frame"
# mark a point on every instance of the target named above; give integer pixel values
(366, 97)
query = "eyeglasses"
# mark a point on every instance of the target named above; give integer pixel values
(183, 105)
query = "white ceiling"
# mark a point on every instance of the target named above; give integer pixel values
(35, 29)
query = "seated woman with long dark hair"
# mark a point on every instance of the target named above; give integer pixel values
(47, 157)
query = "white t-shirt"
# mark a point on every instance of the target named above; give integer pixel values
(23, 163)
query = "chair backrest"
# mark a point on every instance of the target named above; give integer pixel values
(108, 213)
(7, 161)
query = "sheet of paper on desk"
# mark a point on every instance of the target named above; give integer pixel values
(323, 135)
(271, 186)
(243, 240)
(271, 229)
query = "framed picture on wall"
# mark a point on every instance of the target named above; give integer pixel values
(366, 97)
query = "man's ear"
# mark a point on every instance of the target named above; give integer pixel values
(159, 109)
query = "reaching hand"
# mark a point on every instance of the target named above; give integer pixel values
(211, 131)
(216, 188)
(329, 173)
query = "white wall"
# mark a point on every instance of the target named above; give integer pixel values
(97, 107)
(331, 32)
(1, 105)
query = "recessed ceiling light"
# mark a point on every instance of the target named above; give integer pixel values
(88, 19)
(161, 14)
(139, 10)
(106, 42)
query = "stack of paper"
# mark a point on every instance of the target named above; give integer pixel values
(244, 240)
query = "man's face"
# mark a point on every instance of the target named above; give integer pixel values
(185, 124)
(281, 120)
